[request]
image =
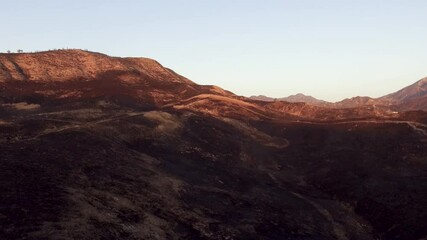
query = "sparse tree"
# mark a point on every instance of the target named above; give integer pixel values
(8, 51)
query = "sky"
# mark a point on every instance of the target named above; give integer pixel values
(330, 49)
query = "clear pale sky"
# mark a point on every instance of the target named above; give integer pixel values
(331, 49)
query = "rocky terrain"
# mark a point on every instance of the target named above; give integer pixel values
(96, 147)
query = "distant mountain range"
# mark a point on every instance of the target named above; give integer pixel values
(413, 97)
(293, 98)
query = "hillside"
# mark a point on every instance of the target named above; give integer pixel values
(76, 74)
(99, 147)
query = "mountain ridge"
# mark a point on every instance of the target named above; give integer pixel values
(62, 65)
(72, 74)
(128, 154)
(299, 97)
(412, 97)
(71, 65)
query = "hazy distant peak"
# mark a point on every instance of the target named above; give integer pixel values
(262, 98)
(299, 97)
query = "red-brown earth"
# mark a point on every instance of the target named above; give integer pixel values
(96, 147)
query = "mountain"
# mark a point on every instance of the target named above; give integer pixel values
(262, 98)
(413, 97)
(303, 98)
(355, 102)
(414, 91)
(293, 98)
(76, 74)
(99, 147)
